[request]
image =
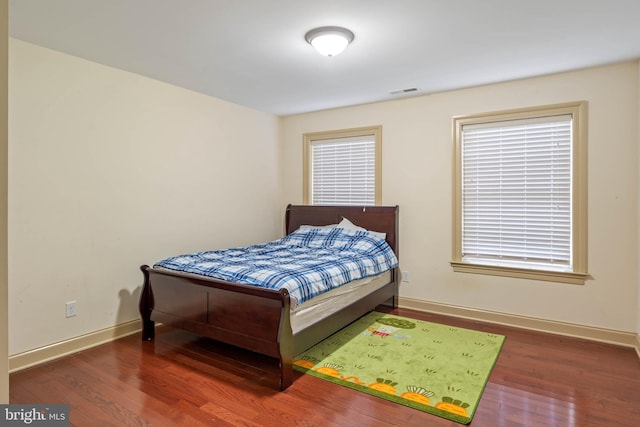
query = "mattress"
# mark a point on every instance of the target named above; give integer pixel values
(313, 310)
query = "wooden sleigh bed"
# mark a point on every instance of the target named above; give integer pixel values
(259, 319)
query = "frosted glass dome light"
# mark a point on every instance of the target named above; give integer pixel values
(329, 41)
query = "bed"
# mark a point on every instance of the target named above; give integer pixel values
(260, 319)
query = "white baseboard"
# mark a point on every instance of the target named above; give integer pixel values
(40, 355)
(626, 339)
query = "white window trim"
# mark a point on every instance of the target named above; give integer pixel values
(309, 138)
(578, 110)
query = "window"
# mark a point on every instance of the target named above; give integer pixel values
(520, 195)
(342, 167)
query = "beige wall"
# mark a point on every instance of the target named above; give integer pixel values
(110, 170)
(417, 173)
(4, 363)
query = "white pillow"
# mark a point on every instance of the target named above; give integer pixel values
(345, 223)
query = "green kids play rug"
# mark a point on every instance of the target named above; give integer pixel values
(434, 368)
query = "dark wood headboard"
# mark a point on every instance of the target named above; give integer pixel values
(383, 219)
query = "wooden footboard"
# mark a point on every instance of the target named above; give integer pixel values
(258, 319)
(245, 316)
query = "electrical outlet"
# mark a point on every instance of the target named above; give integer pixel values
(70, 309)
(405, 276)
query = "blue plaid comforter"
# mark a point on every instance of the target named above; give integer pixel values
(307, 262)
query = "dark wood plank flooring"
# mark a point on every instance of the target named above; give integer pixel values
(184, 380)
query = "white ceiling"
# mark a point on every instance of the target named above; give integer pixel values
(253, 52)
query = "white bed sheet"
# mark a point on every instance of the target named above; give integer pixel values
(309, 312)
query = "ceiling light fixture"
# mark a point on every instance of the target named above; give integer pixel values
(329, 41)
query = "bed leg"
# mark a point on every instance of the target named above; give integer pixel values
(394, 301)
(286, 348)
(396, 293)
(145, 306)
(148, 330)
(286, 375)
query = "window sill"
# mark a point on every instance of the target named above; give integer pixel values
(521, 273)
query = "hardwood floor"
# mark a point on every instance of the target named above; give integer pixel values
(184, 380)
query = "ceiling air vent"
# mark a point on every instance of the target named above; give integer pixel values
(403, 91)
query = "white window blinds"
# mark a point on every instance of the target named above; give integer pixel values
(516, 192)
(343, 171)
